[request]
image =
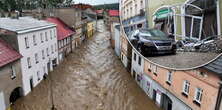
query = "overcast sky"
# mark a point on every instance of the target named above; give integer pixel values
(96, 2)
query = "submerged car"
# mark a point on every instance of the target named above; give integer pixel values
(152, 41)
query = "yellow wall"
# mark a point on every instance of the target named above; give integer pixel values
(90, 29)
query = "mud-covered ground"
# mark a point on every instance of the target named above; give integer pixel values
(91, 78)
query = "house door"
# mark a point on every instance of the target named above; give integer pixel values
(31, 84)
(48, 66)
(166, 102)
(154, 95)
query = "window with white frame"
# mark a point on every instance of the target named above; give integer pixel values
(47, 51)
(169, 77)
(29, 62)
(54, 31)
(43, 54)
(38, 75)
(134, 56)
(50, 34)
(13, 72)
(41, 37)
(198, 95)
(26, 42)
(52, 49)
(34, 40)
(186, 87)
(154, 69)
(36, 58)
(139, 61)
(44, 69)
(46, 37)
(150, 67)
(55, 47)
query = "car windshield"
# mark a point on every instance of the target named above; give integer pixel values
(153, 34)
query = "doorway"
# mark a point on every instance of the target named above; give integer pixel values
(15, 94)
(166, 102)
(31, 84)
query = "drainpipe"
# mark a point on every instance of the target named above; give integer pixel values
(147, 12)
(219, 97)
(218, 18)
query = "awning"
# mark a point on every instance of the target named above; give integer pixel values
(163, 13)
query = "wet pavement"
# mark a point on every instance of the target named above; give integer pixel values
(91, 78)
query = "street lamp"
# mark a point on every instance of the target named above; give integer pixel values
(51, 91)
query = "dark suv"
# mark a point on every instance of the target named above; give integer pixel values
(152, 41)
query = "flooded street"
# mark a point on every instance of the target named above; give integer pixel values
(90, 78)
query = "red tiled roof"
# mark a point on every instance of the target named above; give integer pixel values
(7, 53)
(113, 12)
(82, 6)
(99, 11)
(63, 30)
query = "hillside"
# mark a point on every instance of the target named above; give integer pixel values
(114, 6)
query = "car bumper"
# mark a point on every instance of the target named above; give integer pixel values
(155, 50)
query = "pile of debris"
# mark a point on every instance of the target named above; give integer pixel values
(210, 44)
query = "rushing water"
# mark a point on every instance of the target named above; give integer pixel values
(91, 78)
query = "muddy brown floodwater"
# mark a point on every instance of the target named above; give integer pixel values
(90, 78)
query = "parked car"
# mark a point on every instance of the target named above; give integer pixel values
(152, 41)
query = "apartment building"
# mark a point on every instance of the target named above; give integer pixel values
(133, 17)
(65, 36)
(71, 17)
(196, 89)
(133, 14)
(36, 41)
(10, 75)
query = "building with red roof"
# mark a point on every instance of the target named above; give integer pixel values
(7, 54)
(36, 41)
(65, 37)
(82, 6)
(99, 11)
(10, 75)
(111, 16)
(113, 13)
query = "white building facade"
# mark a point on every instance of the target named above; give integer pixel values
(137, 68)
(37, 43)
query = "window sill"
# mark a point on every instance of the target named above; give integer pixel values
(197, 103)
(185, 94)
(155, 73)
(13, 77)
(168, 83)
